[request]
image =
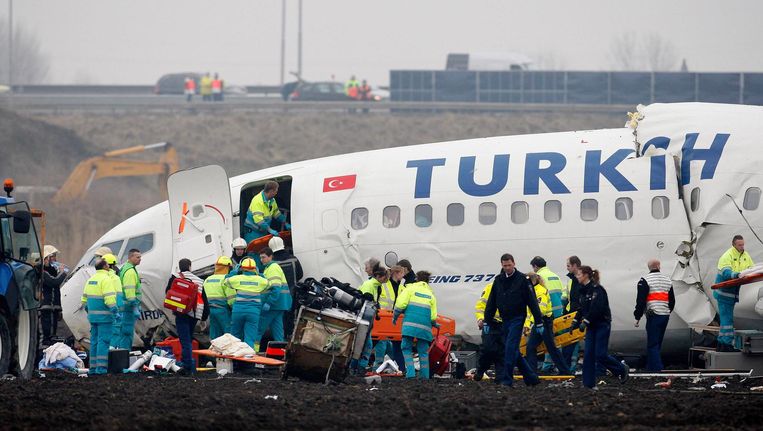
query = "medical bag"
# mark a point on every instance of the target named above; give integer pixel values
(439, 354)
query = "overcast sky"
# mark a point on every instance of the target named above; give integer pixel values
(136, 41)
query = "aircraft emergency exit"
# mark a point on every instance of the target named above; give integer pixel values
(664, 186)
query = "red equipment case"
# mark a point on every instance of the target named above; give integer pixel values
(439, 354)
(173, 344)
(182, 296)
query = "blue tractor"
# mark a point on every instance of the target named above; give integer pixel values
(20, 286)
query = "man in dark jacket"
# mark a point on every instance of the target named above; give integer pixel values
(186, 323)
(292, 270)
(511, 295)
(410, 276)
(572, 352)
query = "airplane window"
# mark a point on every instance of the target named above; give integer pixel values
(455, 214)
(660, 207)
(552, 211)
(751, 198)
(488, 213)
(359, 218)
(391, 217)
(695, 199)
(144, 243)
(624, 208)
(423, 215)
(520, 212)
(589, 209)
(115, 247)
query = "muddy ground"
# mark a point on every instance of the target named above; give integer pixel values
(64, 401)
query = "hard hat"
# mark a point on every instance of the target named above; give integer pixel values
(48, 250)
(110, 259)
(239, 243)
(224, 261)
(102, 251)
(248, 264)
(276, 243)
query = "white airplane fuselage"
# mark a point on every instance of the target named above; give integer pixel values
(614, 197)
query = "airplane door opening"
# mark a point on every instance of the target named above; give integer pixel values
(283, 199)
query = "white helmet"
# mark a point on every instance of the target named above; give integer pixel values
(276, 243)
(239, 243)
(49, 250)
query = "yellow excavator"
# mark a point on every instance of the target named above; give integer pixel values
(110, 165)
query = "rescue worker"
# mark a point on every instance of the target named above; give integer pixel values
(492, 347)
(512, 295)
(370, 266)
(280, 298)
(364, 94)
(263, 210)
(116, 329)
(131, 287)
(189, 88)
(555, 290)
(100, 251)
(239, 251)
(419, 305)
(186, 322)
(370, 289)
(595, 318)
(571, 352)
(731, 263)
(218, 295)
(655, 296)
(396, 280)
(534, 338)
(205, 90)
(252, 291)
(292, 269)
(52, 277)
(217, 89)
(386, 300)
(351, 87)
(99, 300)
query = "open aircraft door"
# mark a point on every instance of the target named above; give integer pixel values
(202, 219)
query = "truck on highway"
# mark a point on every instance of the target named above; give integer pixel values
(20, 286)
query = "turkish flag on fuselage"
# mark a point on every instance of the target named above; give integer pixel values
(344, 182)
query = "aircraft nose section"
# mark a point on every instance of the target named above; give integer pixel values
(71, 302)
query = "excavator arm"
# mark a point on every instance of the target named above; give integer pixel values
(109, 165)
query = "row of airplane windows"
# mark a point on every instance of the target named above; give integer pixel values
(520, 211)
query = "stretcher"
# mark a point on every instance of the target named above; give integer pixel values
(384, 329)
(564, 335)
(256, 245)
(256, 359)
(734, 282)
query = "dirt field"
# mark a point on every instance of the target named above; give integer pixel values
(142, 402)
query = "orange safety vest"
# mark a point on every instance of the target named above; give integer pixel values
(217, 84)
(353, 92)
(190, 85)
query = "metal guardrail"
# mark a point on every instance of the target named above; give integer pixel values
(134, 90)
(177, 104)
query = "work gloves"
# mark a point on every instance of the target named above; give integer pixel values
(435, 324)
(734, 275)
(272, 232)
(288, 226)
(266, 307)
(583, 325)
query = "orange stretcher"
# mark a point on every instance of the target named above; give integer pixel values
(256, 245)
(738, 281)
(384, 329)
(564, 335)
(256, 359)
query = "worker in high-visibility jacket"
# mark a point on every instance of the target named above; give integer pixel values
(116, 328)
(252, 291)
(370, 289)
(534, 338)
(132, 291)
(100, 301)
(731, 263)
(492, 347)
(555, 290)
(419, 305)
(280, 298)
(217, 295)
(263, 210)
(386, 302)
